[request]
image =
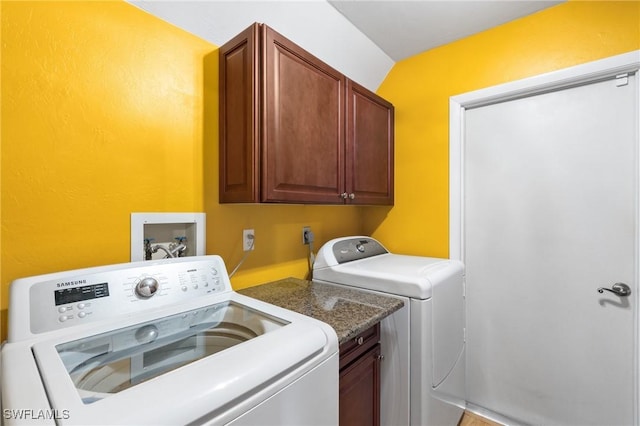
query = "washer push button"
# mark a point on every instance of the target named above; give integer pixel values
(63, 318)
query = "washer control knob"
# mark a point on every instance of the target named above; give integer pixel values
(147, 287)
(360, 247)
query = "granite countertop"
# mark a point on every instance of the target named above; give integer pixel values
(349, 312)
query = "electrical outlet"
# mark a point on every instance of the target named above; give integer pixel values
(307, 235)
(248, 240)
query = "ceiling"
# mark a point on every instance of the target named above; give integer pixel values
(363, 39)
(404, 28)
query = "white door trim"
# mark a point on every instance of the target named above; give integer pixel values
(573, 76)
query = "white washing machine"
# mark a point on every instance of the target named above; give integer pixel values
(162, 342)
(423, 344)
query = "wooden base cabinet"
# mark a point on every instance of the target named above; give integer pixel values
(295, 130)
(359, 403)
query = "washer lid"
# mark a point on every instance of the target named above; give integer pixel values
(269, 343)
(103, 365)
(403, 275)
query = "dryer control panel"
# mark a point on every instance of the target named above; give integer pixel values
(72, 298)
(351, 248)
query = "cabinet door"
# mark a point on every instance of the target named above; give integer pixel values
(369, 159)
(239, 118)
(359, 403)
(303, 125)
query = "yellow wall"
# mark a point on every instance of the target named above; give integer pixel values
(565, 35)
(107, 110)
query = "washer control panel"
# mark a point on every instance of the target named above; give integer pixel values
(76, 297)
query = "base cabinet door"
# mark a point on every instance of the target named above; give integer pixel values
(359, 390)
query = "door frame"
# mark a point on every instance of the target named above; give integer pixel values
(556, 80)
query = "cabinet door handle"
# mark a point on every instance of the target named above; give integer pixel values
(352, 196)
(344, 195)
(359, 340)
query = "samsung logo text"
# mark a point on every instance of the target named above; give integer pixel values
(70, 283)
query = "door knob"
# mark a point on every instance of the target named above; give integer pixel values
(619, 289)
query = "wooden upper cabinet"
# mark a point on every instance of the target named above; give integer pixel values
(284, 134)
(369, 149)
(239, 118)
(303, 133)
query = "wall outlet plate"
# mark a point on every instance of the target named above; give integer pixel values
(248, 240)
(305, 235)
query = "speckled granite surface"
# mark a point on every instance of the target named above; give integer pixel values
(349, 312)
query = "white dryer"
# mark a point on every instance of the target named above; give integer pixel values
(161, 342)
(423, 344)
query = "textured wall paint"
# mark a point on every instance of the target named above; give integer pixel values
(98, 120)
(107, 110)
(420, 87)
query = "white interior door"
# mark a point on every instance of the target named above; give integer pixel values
(549, 216)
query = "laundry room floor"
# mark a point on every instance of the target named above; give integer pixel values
(471, 419)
